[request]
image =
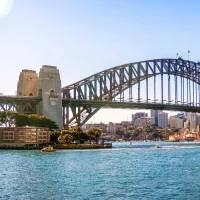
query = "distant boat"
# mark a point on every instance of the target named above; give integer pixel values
(158, 146)
(48, 149)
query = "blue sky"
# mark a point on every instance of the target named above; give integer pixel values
(83, 37)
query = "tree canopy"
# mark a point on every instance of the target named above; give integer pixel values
(75, 134)
(94, 133)
(9, 119)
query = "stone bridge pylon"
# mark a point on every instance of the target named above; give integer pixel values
(47, 86)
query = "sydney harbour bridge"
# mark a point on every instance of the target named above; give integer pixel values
(164, 84)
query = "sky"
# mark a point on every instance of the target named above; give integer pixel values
(84, 37)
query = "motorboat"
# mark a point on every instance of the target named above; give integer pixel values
(48, 149)
(158, 146)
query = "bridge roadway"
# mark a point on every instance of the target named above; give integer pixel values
(132, 105)
(13, 100)
(17, 99)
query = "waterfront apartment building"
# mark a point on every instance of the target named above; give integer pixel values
(111, 128)
(154, 114)
(193, 121)
(198, 119)
(138, 115)
(176, 122)
(144, 121)
(188, 115)
(186, 124)
(163, 120)
(172, 121)
(24, 135)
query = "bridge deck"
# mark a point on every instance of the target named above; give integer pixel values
(8, 99)
(132, 105)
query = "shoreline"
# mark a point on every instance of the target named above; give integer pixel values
(57, 146)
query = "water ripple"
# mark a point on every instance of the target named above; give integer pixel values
(120, 173)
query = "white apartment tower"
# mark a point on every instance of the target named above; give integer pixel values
(163, 120)
(193, 121)
(154, 114)
(175, 122)
(111, 128)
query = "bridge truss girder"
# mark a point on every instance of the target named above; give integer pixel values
(26, 105)
(107, 85)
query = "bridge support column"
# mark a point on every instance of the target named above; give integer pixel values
(66, 116)
(26, 87)
(49, 87)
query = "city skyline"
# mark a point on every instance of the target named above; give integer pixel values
(83, 38)
(129, 113)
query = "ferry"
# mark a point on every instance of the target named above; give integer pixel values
(48, 149)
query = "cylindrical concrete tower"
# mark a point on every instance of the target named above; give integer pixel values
(27, 84)
(49, 87)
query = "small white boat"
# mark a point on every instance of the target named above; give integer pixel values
(158, 146)
(48, 149)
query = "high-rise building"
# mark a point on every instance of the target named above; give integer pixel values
(187, 115)
(175, 122)
(145, 121)
(163, 120)
(111, 128)
(193, 121)
(198, 120)
(172, 121)
(179, 123)
(186, 124)
(138, 115)
(154, 114)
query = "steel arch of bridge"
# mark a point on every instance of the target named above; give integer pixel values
(81, 100)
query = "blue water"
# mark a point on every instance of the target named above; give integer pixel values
(123, 172)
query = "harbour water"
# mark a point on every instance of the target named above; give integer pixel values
(139, 171)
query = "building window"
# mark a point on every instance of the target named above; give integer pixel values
(8, 136)
(52, 93)
(40, 92)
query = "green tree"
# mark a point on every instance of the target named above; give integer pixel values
(156, 135)
(8, 118)
(61, 139)
(21, 119)
(77, 130)
(68, 138)
(135, 134)
(64, 131)
(54, 135)
(65, 138)
(94, 133)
